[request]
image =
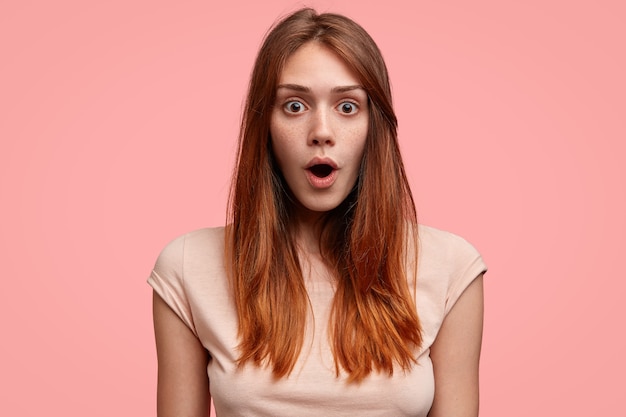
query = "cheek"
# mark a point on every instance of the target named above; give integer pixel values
(285, 139)
(359, 145)
(281, 149)
(360, 138)
(276, 139)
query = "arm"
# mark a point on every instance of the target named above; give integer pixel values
(183, 385)
(455, 355)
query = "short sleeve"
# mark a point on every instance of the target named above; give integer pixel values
(167, 279)
(468, 265)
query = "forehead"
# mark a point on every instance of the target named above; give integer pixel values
(314, 64)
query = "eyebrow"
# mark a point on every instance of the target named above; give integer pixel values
(301, 88)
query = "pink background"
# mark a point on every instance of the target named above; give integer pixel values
(118, 123)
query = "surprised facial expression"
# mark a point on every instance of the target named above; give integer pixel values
(318, 127)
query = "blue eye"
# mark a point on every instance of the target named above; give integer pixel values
(348, 107)
(294, 107)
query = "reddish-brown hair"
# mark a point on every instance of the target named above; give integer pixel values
(374, 323)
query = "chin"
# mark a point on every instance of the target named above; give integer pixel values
(320, 205)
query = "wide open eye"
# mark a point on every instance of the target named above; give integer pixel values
(348, 107)
(294, 106)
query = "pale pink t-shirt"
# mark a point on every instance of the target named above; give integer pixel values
(189, 275)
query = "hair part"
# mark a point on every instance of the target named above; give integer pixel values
(364, 241)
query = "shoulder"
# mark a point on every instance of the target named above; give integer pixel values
(186, 251)
(442, 246)
(208, 236)
(189, 266)
(433, 235)
(193, 242)
(447, 264)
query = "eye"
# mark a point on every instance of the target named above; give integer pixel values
(294, 106)
(348, 107)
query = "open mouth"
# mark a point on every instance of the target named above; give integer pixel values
(321, 170)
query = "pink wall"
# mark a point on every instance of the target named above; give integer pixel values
(118, 123)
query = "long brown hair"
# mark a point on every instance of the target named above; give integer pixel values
(374, 323)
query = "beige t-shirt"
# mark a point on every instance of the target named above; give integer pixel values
(189, 275)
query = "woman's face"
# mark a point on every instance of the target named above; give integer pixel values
(318, 127)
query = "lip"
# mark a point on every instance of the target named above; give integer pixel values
(321, 161)
(321, 183)
(327, 181)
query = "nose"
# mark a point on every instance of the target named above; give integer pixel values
(321, 132)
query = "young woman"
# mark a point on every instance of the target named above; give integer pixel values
(322, 296)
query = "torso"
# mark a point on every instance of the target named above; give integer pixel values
(313, 387)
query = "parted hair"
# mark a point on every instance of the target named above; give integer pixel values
(364, 241)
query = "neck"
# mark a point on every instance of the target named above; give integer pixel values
(308, 228)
